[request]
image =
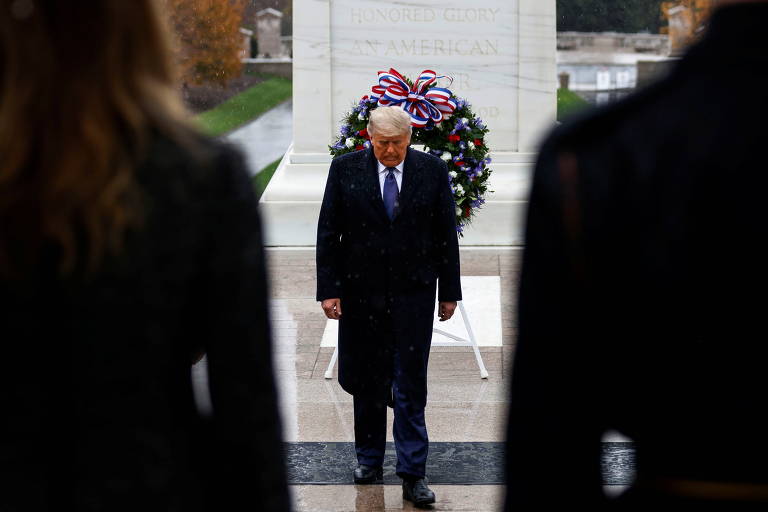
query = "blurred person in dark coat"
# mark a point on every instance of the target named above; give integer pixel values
(639, 307)
(386, 242)
(128, 243)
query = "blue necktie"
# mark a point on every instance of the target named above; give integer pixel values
(391, 193)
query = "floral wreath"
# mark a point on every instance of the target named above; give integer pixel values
(442, 122)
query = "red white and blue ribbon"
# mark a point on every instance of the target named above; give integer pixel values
(421, 101)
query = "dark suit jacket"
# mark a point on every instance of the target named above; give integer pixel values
(366, 260)
(97, 405)
(639, 304)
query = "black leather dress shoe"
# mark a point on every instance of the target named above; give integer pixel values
(368, 474)
(417, 492)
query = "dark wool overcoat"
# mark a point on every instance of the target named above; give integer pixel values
(98, 410)
(641, 307)
(385, 272)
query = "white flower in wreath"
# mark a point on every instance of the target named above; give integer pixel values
(471, 145)
(446, 156)
(460, 190)
(453, 174)
(465, 120)
(458, 211)
(350, 143)
(361, 117)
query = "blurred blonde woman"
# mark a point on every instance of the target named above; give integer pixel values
(128, 243)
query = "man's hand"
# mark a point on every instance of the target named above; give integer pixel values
(332, 308)
(445, 310)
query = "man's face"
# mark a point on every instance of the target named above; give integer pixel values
(390, 149)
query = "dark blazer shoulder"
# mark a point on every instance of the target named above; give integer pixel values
(354, 159)
(429, 166)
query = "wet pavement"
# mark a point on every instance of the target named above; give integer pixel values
(266, 138)
(465, 414)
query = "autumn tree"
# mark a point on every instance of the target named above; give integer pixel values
(208, 38)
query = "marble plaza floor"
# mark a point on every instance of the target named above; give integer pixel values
(465, 414)
(463, 411)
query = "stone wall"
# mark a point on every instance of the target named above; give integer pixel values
(613, 41)
(270, 67)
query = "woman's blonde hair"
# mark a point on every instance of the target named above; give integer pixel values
(82, 86)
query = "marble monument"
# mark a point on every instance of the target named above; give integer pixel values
(501, 55)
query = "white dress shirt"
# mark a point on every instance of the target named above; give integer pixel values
(398, 176)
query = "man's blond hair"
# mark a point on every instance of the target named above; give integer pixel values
(389, 121)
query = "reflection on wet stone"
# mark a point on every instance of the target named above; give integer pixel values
(618, 463)
(370, 497)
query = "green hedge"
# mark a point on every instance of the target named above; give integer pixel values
(261, 180)
(568, 103)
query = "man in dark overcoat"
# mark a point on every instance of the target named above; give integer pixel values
(639, 306)
(386, 239)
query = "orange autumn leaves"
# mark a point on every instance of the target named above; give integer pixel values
(208, 39)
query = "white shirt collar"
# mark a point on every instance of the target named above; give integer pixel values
(383, 168)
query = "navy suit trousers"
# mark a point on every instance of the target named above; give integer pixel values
(410, 431)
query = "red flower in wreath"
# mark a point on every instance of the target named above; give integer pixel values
(359, 147)
(460, 163)
(478, 143)
(454, 138)
(466, 211)
(364, 133)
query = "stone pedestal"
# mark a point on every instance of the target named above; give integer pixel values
(501, 54)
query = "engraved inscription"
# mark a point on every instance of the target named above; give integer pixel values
(487, 112)
(423, 15)
(426, 47)
(478, 15)
(418, 15)
(381, 17)
(463, 81)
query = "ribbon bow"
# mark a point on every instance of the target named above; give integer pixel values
(421, 101)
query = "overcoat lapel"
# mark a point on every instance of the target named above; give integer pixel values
(373, 188)
(411, 178)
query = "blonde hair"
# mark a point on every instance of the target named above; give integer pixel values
(389, 121)
(74, 126)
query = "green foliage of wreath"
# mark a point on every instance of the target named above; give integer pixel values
(459, 140)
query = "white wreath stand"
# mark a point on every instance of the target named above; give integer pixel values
(459, 342)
